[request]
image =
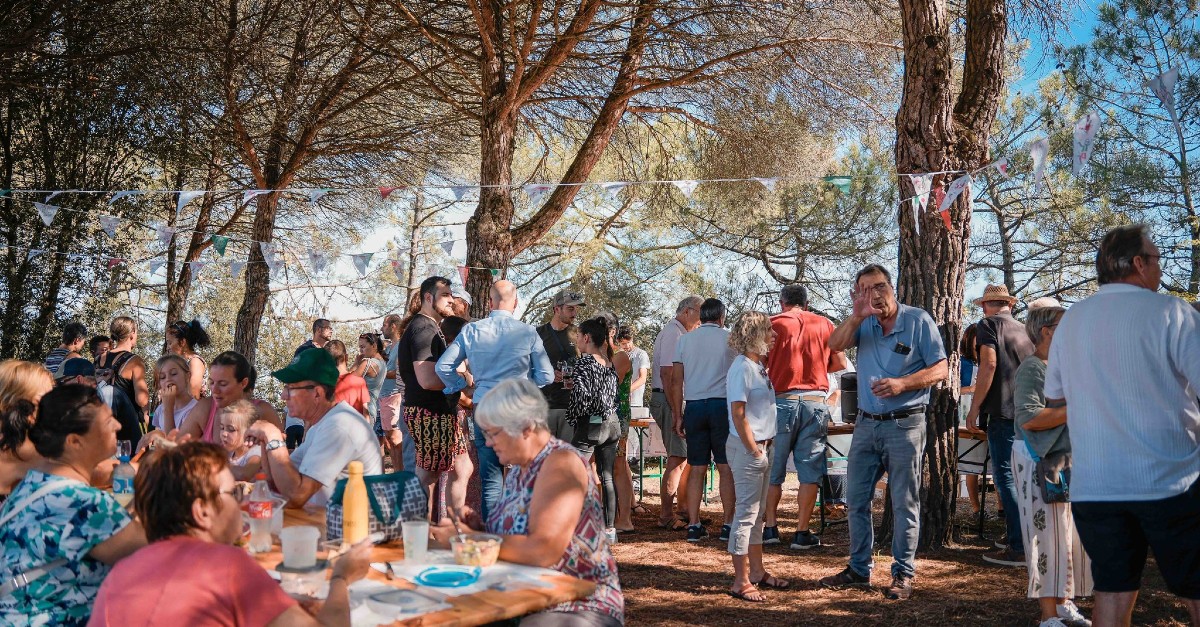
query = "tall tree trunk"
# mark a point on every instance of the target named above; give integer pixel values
(489, 240)
(258, 279)
(933, 137)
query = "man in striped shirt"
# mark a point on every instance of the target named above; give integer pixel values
(74, 335)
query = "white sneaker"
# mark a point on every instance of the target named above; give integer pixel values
(1071, 616)
(611, 532)
(1052, 622)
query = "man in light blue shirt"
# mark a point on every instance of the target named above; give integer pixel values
(900, 357)
(498, 347)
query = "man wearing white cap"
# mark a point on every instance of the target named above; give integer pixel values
(1002, 343)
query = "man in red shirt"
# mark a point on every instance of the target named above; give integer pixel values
(798, 366)
(190, 573)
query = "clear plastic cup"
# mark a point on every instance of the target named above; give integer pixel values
(299, 546)
(416, 540)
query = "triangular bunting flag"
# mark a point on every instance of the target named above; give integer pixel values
(384, 192)
(315, 195)
(613, 189)
(219, 243)
(398, 269)
(235, 268)
(33, 253)
(185, 198)
(1163, 86)
(686, 187)
(921, 184)
(448, 247)
(361, 262)
(109, 225)
(47, 212)
(55, 193)
(1001, 166)
(164, 233)
(495, 273)
(317, 260)
(946, 219)
(954, 190)
(114, 262)
(5, 192)
(157, 263)
(119, 195)
(197, 266)
(462, 275)
(460, 191)
(840, 182)
(251, 194)
(768, 183)
(1084, 138)
(537, 191)
(268, 253)
(1038, 149)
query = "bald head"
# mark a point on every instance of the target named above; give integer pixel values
(503, 295)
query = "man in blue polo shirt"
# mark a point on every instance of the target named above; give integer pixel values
(900, 357)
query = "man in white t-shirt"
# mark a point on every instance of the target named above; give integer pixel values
(640, 363)
(702, 360)
(675, 477)
(1126, 363)
(337, 435)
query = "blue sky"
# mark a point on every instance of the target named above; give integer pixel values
(1039, 62)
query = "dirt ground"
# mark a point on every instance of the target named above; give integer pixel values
(668, 581)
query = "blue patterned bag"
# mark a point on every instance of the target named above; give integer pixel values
(394, 498)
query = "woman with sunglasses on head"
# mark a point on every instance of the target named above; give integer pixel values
(59, 535)
(183, 338)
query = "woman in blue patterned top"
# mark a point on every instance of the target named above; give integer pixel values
(57, 532)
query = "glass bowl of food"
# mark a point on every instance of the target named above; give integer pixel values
(475, 549)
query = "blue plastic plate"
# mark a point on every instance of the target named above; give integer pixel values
(448, 576)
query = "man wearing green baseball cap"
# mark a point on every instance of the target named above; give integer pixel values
(337, 435)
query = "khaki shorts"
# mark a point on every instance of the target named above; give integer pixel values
(389, 411)
(661, 413)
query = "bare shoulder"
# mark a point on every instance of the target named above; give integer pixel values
(564, 463)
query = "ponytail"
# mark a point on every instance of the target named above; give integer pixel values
(15, 423)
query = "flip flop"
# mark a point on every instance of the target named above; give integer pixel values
(744, 594)
(640, 509)
(674, 525)
(773, 582)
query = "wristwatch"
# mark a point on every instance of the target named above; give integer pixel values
(274, 444)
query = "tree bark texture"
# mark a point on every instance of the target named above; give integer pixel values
(933, 136)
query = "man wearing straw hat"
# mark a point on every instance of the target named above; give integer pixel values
(1002, 343)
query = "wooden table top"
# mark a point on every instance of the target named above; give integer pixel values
(467, 610)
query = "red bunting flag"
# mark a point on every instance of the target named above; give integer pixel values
(384, 192)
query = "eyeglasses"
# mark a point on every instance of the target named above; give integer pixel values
(238, 493)
(289, 389)
(1149, 256)
(879, 288)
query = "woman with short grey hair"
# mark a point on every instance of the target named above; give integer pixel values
(1058, 567)
(550, 514)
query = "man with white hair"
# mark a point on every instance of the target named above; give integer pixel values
(674, 480)
(496, 348)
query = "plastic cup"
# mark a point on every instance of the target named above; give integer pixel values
(277, 505)
(416, 540)
(299, 546)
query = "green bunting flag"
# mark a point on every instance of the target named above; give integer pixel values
(495, 272)
(219, 243)
(840, 182)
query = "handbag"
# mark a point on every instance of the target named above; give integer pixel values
(1052, 474)
(393, 499)
(23, 579)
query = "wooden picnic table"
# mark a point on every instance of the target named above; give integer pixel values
(467, 610)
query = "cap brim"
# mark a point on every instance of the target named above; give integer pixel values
(289, 375)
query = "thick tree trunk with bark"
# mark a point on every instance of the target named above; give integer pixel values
(258, 279)
(933, 137)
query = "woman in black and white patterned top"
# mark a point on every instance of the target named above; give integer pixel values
(593, 410)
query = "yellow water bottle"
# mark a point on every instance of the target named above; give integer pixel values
(355, 521)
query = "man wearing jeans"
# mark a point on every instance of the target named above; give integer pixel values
(1126, 363)
(1002, 343)
(900, 357)
(702, 360)
(496, 348)
(799, 365)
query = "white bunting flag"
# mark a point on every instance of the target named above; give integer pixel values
(126, 194)
(961, 183)
(460, 191)
(164, 233)
(157, 263)
(317, 260)
(398, 269)
(33, 253)
(613, 189)
(686, 187)
(251, 194)
(921, 184)
(47, 212)
(537, 191)
(197, 266)
(1001, 166)
(235, 268)
(1163, 86)
(1084, 138)
(361, 262)
(268, 253)
(185, 198)
(768, 183)
(448, 247)
(315, 195)
(109, 225)
(1038, 149)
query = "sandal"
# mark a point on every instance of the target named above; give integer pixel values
(749, 594)
(673, 525)
(640, 509)
(773, 582)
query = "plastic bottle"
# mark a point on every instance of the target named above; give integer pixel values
(355, 521)
(122, 479)
(260, 515)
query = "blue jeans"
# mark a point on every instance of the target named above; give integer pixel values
(894, 447)
(1000, 444)
(491, 473)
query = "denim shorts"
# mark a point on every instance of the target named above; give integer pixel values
(706, 425)
(801, 430)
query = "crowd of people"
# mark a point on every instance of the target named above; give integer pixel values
(541, 416)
